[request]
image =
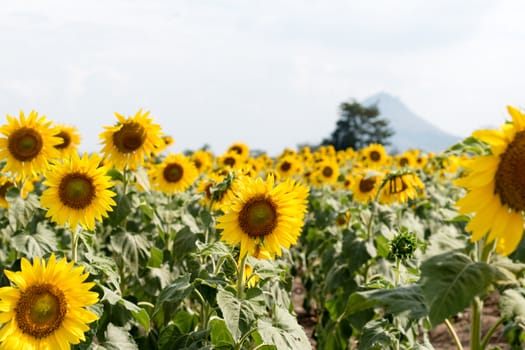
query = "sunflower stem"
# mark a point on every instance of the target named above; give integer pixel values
(453, 333)
(240, 277)
(74, 242)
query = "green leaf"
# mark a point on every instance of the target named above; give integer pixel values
(155, 258)
(142, 317)
(238, 314)
(141, 176)
(118, 338)
(35, 244)
(450, 281)
(405, 300)
(184, 242)
(220, 335)
(121, 211)
(171, 296)
(283, 331)
(375, 336)
(132, 247)
(512, 304)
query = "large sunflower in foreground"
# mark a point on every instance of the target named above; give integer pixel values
(261, 213)
(496, 186)
(78, 191)
(45, 309)
(28, 146)
(131, 141)
(176, 173)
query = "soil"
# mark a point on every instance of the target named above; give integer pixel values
(439, 336)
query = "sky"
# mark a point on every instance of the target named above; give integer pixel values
(271, 74)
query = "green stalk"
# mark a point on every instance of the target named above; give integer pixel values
(490, 332)
(453, 334)
(475, 324)
(240, 277)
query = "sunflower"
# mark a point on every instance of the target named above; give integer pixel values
(326, 172)
(374, 155)
(70, 140)
(407, 159)
(230, 160)
(29, 145)
(203, 160)
(78, 191)
(496, 186)
(131, 141)
(288, 166)
(400, 188)
(366, 185)
(239, 148)
(5, 184)
(45, 309)
(176, 173)
(262, 213)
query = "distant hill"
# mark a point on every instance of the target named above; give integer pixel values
(411, 131)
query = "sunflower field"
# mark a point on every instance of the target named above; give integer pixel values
(139, 247)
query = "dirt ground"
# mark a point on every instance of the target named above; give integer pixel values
(439, 336)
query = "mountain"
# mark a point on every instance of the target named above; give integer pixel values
(411, 131)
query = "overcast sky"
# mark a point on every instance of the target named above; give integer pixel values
(268, 73)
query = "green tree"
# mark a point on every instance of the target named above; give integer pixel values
(359, 126)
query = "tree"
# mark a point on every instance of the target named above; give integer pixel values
(359, 126)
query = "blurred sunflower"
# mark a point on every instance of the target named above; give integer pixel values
(230, 160)
(28, 146)
(260, 213)
(326, 171)
(400, 188)
(203, 160)
(131, 141)
(45, 309)
(206, 186)
(176, 173)
(5, 184)
(366, 185)
(375, 155)
(407, 159)
(496, 186)
(288, 166)
(78, 191)
(239, 148)
(70, 140)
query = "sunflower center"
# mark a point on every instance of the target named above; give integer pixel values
(510, 182)
(25, 144)
(76, 191)
(236, 149)
(285, 166)
(40, 310)
(403, 162)
(173, 172)
(327, 171)
(258, 217)
(375, 156)
(229, 161)
(367, 185)
(66, 140)
(129, 138)
(198, 163)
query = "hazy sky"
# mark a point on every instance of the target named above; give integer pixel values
(268, 73)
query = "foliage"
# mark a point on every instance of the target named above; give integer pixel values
(359, 126)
